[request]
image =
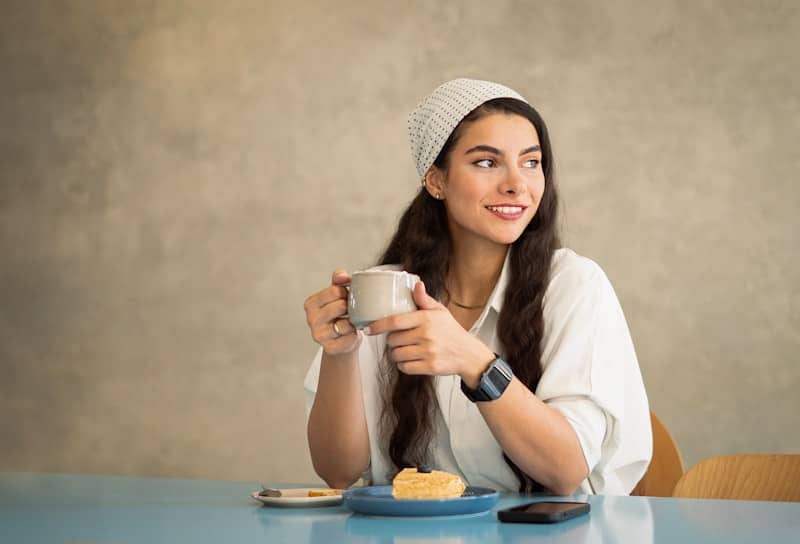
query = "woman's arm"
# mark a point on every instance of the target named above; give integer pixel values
(536, 437)
(337, 427)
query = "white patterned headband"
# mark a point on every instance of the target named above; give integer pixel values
(435, 118)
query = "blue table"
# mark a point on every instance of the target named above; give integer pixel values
(44, 508)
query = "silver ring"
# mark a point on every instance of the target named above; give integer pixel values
(336, 330)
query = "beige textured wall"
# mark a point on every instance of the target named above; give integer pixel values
(176, 177)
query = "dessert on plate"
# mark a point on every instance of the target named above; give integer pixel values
(424, 483)
(324, 492)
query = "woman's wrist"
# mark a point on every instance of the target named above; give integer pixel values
(471, 374)
(340, 358)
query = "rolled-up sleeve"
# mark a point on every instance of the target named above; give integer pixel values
(591, 375)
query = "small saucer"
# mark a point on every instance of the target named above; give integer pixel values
(298, 498)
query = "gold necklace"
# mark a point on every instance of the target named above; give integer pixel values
(464, 306)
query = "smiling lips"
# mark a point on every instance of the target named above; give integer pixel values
(509, 212)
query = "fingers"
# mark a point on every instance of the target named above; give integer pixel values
(340, 277)
(329, 294)
(422, 359)
(332, 294)
(318, 311)
(413, 352)
(337, 336)
(342, 327)
(321, 322)
(397, 322)
(402, 338)
(423, 300)
(324, 307)
(413, 368)
(409, 320)
(335, 291)
(331, 311)
(325, 311)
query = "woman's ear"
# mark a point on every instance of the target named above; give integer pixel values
(434, 183)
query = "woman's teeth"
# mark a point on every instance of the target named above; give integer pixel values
(510, 210)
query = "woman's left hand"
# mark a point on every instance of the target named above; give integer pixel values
(431, 342)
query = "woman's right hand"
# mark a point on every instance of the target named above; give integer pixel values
(324, 311)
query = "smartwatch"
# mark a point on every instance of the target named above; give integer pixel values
(494, 381)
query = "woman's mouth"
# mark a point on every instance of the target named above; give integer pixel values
(509, 212)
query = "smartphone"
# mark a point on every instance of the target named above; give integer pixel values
(543, 512)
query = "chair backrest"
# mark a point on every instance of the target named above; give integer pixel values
(666, 466)
(756, 477)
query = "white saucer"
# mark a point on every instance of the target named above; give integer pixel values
(298, 498)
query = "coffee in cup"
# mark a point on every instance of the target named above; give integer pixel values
(375, 294)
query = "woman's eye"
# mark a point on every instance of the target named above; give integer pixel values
(532, 163)
(484, 163)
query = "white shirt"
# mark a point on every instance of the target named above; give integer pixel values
(590, 375)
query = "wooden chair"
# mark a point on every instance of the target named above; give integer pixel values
(744, 477)
(666, 466)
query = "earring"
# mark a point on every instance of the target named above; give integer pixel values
(438, 196)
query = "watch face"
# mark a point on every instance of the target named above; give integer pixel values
(496, 379)
(494, 382)
(499, 366)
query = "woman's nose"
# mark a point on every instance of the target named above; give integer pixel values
(514, 183)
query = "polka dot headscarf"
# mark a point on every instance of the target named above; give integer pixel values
(432, 121)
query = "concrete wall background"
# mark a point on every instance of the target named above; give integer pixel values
(176, 177)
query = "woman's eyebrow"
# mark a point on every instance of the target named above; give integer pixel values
(530, 149)
(495, 151)
(483, 149)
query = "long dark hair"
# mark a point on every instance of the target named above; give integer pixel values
(422, 245)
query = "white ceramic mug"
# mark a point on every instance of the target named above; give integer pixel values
(375, 294)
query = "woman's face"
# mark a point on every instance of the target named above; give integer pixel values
(494, 180)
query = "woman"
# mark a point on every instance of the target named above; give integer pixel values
(518, 371)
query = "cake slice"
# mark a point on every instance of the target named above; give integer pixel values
(436, 484)
(324, 492)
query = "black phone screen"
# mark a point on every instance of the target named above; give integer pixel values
(548, 507)
(543, 512)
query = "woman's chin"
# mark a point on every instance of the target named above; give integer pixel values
(508, 237)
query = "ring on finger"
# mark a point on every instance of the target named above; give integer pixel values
(336, 330)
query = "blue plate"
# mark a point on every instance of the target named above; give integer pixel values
(378, 501)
